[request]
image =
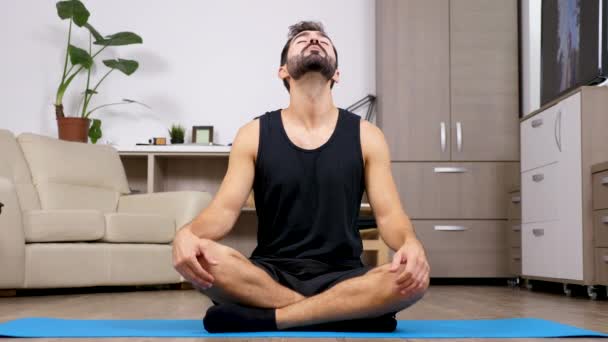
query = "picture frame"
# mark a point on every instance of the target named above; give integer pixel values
(202, 135)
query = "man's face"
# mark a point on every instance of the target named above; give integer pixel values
(311, 51)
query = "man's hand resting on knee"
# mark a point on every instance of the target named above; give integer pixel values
(187, 250)
(414, 278)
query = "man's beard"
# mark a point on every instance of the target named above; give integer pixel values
(299, 65)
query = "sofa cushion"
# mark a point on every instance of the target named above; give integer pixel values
(68, 196)
(14, 167)
(139, 228)
(64, 171)
(63, 225)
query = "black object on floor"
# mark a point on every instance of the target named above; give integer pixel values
(223, 318)
(386, 323)
(236, 318)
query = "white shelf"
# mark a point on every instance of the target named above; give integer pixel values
(178, 148)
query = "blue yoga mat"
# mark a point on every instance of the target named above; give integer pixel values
(485, 328)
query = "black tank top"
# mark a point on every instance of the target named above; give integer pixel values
(308, 201)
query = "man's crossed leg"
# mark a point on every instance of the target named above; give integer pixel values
(239, 281)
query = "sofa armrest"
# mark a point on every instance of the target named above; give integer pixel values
(12, 239)
(183, 206)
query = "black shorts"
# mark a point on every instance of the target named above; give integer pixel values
(306, 276)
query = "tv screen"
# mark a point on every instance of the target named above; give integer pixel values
(570, 46)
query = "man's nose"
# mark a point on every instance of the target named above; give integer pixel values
(314, 41)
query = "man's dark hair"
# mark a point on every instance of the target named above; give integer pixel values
(294, 30)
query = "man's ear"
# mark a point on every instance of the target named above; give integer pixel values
(283, 73)
(336, 77)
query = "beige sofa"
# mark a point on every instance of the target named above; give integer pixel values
(68, 219)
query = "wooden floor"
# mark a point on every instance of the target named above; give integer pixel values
(441, 302)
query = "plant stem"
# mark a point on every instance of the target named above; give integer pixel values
(105, 105)
(86, 91)
(65, 63)
(86, 104)
(59, 96)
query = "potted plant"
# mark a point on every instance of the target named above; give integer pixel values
(177, 134)
(78, 128)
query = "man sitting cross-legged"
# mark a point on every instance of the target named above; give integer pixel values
(308, 165)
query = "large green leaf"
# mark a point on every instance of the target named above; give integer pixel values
(95, 131)
(79, 56)
(73, 9)
(127, 66)
(94, 32)
(120, 38)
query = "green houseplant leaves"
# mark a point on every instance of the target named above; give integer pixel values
(80, 59)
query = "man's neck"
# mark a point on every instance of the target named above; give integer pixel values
(311, 102)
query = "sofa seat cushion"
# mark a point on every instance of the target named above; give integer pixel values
(139, 228)
(63, 225)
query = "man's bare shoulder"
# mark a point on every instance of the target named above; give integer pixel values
(247, 138)
(372, 139)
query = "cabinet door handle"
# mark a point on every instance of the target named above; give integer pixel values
(449, 169)
(459, 136)
(558, 130)
(538, 177)
(538, 232)
(516, 199)
(604, 181)
(516, 228)
(1, 205)
(443, 136)
(450, 228)
(604, 219)
(537, 123)
(517, 258)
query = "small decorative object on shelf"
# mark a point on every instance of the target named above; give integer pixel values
(158, 141)
(202, 135)
(177, 134)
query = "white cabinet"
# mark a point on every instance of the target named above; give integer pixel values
(552, 218)
(540, 252)
(539, 139)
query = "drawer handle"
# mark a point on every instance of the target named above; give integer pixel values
(443, 136)
(605, 181)
(447, 169)
(538, 232)
(517, 258)
(516, 228)
(450, 228)
(515, 199)
(558, 131)
(604, 219)
(537, 123)
(538, 177)
(459, 136)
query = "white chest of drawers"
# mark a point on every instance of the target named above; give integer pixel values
(559, 143)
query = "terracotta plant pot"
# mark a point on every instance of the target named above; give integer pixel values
(73, 129)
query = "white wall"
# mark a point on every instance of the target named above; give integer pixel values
(201, 63)
(530, 45)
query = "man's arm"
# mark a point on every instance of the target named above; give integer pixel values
(215, 221)
(394, 225)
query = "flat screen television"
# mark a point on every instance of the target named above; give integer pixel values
(572, 45)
